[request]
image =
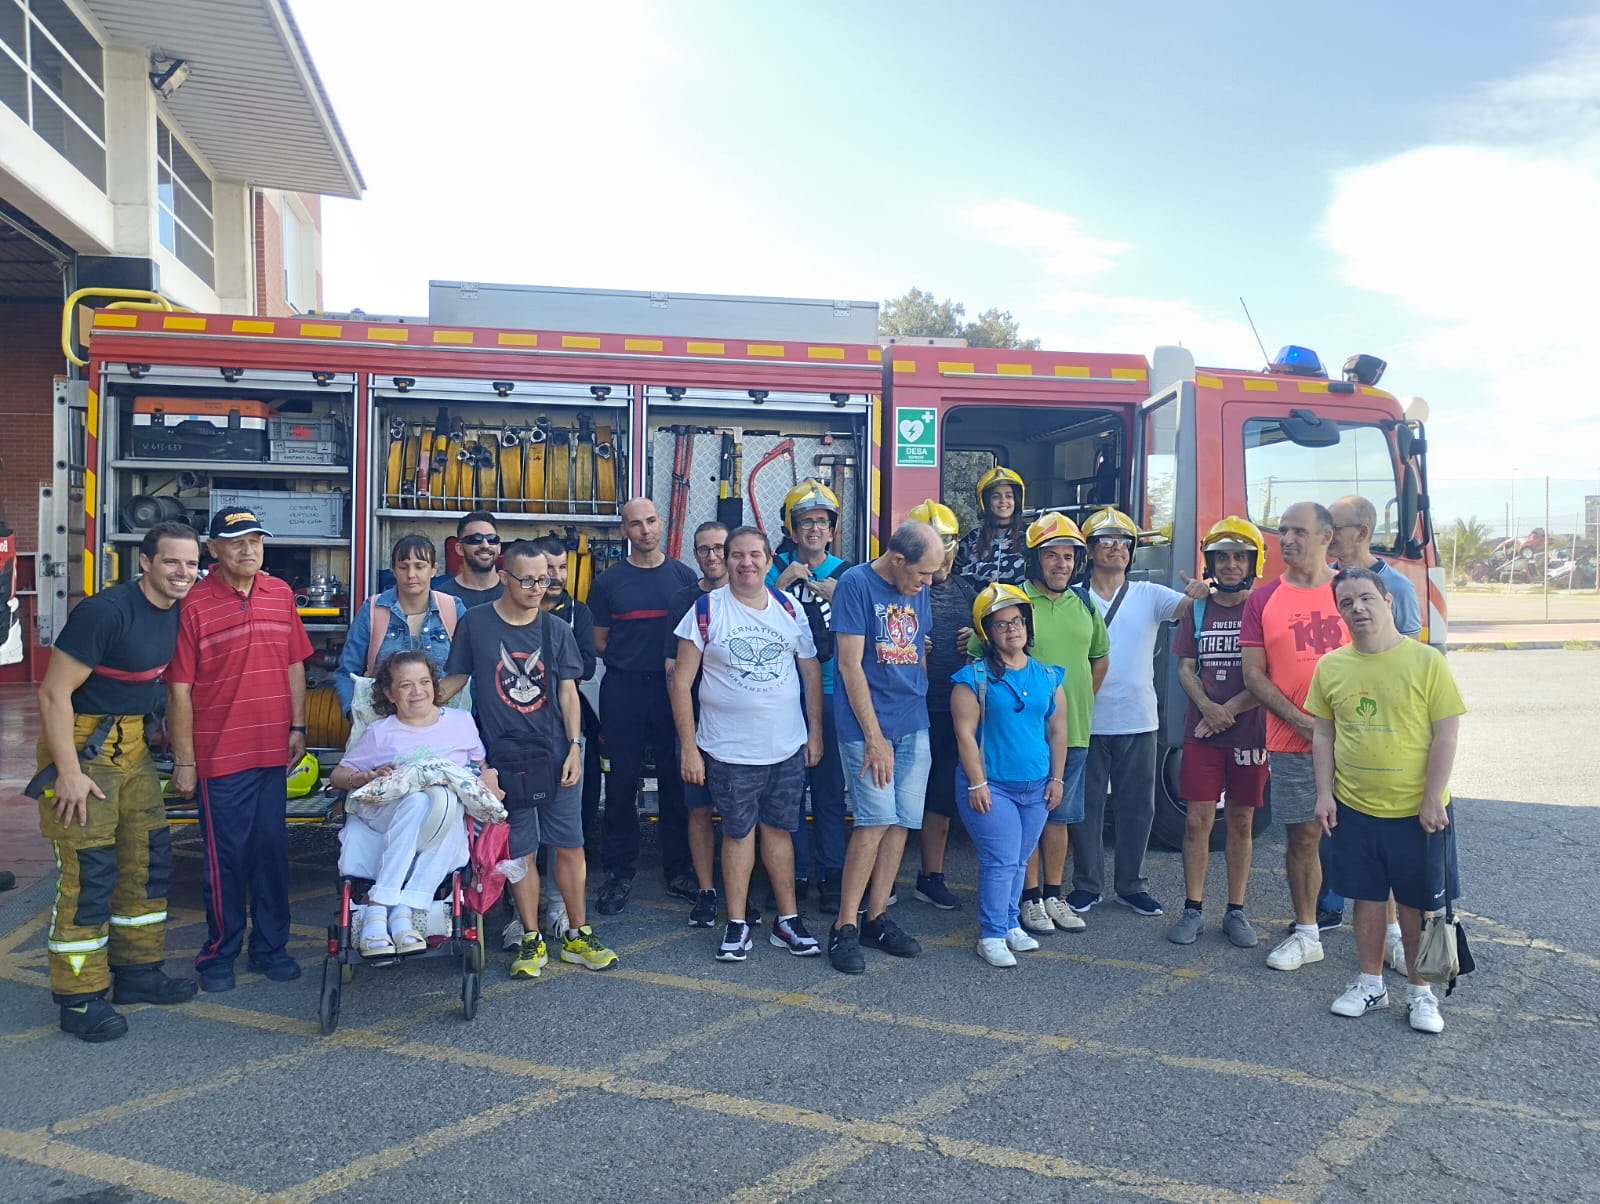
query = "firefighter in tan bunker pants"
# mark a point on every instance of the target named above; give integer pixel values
(99, 794)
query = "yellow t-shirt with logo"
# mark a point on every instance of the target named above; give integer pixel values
(1383, 706)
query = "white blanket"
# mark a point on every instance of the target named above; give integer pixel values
(413, 776)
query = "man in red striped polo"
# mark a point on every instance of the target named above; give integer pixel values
(236, 706)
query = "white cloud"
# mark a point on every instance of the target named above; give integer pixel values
(1063, 247)
(1108, 322)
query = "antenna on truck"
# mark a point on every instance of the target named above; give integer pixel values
(1264, 356)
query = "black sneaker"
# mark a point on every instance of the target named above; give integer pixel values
(218, 976)
(931, 889)
(828, 893)
(93, 1020)
(736, 942)
(613, 896)
(150, 984)
(1327, 920)
(789, 932)
(883, 933)
(752, 914)
(844, 950)
(704, 912)
(278, 968)
(685, 887)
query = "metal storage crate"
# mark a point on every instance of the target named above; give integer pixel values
(287, 512)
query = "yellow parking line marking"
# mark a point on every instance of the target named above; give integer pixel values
(30, 1034)
(1088, 959)
(123, 1172)
(23, 931)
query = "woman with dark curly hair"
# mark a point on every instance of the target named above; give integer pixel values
(408, 846)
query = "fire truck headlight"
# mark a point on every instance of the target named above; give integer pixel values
(1364, 369)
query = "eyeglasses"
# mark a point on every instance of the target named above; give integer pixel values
(1016, 624)
(529, 583)
(712, 549)
(812, 524)
(1114, 541)
(480, 538)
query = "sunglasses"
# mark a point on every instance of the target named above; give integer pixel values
(474, 540)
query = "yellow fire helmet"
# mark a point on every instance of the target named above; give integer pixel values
(1238, 533)
(999, 475)
(305, 777)
(809, 494)
(938, 516)
(1109, 521)
(1053, 527)
(997, 597)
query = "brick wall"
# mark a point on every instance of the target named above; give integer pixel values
(30, 350)
(269, 259)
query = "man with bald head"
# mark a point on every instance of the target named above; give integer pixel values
(881, 621)
(1287, 627)
(631, 603)
(1354, 521)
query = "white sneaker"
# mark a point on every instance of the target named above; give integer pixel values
(1358, 1000)
(553, 921)
(1062, 916)
(993, 950)
(1298, 950)
(511, 935)
(1394, 954)
(1423, 1011)
(1034, 916)
(1018, 941)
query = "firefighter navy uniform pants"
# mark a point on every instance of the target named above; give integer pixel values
(635, 711)
(246, 860)
(111, 890)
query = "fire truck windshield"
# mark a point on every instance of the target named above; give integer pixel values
(1280, 472)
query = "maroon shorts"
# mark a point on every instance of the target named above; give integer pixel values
(1209, 771)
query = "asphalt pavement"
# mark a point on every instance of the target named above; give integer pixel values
(1112, 1065)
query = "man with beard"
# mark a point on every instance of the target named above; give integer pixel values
(478, 541)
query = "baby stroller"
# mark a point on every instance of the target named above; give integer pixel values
(454, 926)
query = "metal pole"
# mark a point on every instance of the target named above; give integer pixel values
(1547, 549)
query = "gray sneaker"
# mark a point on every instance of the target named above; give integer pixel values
(1238, 929)
(1187, 927)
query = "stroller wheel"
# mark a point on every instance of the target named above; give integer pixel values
(471, 992)
(328, 1005)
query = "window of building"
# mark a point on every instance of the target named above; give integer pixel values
(1280, 472)
(52, 76)
(183, 197)
(299, 256)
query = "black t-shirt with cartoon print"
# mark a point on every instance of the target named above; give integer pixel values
(515, 672)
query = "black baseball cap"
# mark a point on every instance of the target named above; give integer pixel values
(233, 521)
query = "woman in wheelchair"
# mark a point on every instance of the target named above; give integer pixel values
(407, 846)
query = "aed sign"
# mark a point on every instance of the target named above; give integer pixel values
(916, 438)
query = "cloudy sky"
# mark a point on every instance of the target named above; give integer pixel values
(1418, 181)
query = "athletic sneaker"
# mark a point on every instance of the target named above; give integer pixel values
(828, 893)
(931, 889)
(1236, 926)
(1186, 929)
(1357, 1000)
(1034, 917)
(1062, 916)
(553, 920)
(752, 914)
(1298, 950)
(1327, 921)
(531, 957)
(883, 933)
(1394, 953)
(704, 912)
(583, 947)
(789, 932)
(844, 950)
(685, 887)
(511, 935)
(1422, 1009)
(993, 950)
(1018, 941)
(736, 942)
(613, 896)
(1141, 903)
(1082, 900)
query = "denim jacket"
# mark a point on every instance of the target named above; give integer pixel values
(396, 638)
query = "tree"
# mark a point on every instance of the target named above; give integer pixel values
(1464, 543)
(918, 314)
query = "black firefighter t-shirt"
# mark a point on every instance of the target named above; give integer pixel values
(514, 685)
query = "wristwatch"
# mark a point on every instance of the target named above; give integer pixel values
(298, 728)
(576, 740)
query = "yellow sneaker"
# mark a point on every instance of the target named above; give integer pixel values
(584, 948)
(531, 957)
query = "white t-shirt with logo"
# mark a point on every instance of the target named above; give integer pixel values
(1126, 702)
(750, 710)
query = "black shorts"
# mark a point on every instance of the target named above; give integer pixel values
(1373, 856)
(941, 793)
(745, 794)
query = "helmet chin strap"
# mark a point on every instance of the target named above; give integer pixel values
(1234, 589)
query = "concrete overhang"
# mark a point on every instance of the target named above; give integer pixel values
(252, 103)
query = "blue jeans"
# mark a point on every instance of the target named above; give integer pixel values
(1004, 835)
(1071, 809)
(900, 801)
(825, 782)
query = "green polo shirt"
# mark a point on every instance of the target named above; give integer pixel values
(1069, 634)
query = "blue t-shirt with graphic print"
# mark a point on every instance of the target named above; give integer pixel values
(895, 628)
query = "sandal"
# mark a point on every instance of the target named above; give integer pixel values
(403, 931)
(375, 942)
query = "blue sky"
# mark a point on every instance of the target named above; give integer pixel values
(1420, 181)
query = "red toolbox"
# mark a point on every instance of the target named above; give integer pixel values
(189, 428)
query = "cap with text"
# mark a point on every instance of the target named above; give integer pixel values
(234, 521)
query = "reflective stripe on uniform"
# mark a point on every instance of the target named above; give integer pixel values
(89, 946)
(155, 917)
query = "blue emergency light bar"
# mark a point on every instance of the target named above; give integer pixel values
(1297, 361)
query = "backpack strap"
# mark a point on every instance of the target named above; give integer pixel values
(1199, 619)
(782, 598)
(1116, 602)
(702, 618)
(445, 604)
(980, 674)
(378, 629)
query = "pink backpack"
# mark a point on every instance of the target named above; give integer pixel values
(444, 603)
